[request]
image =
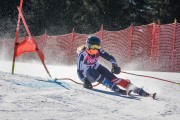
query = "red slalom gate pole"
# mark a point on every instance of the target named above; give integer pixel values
(29, 33)
(16, 36)
(151, 77)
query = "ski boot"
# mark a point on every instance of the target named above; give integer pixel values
(141, 92)
(122, 92)
(125, 92)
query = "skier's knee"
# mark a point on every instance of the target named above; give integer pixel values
(110, 85)
(141, 92)
(122, 82)
(94, 76)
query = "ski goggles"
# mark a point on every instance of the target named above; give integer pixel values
(95, 47)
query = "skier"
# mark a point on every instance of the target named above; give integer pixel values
(89, 70)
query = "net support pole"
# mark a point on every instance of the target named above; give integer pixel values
(152, 42)
(101, 33)
(130, 40)
(16, 36)
(159, 37)
(71, 46)
(174, 42)
(45, 34)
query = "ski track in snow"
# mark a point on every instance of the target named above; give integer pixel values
(27, 95)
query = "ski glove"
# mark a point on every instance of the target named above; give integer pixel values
(115, 69)
(87, 84)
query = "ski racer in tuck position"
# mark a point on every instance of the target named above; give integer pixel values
(89, 70)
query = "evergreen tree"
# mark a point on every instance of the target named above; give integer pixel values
(86, 16)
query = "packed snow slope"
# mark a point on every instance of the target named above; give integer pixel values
(30, 94)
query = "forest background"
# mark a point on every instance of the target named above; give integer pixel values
(58, 17)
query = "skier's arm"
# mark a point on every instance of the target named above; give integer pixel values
(79, 67)
(115, 68)
(108, 57)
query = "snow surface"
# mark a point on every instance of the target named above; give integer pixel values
(28, 95)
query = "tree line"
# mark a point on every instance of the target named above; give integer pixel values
(85, 16)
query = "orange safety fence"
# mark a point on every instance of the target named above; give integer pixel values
(152, 47)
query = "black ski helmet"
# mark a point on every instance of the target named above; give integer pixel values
(92, 40)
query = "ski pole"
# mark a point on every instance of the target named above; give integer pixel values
(151, 77)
